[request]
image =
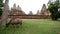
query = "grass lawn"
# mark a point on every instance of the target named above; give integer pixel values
(34, 26)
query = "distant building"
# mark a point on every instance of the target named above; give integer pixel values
(14, 6)
(44, 11)
(38, 13)
(19, 8)
(16, 10)
(30, 13)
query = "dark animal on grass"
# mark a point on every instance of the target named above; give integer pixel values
(14, 22)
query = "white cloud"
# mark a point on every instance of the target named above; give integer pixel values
(29, 5)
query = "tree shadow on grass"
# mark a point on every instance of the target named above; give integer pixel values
(54, 20)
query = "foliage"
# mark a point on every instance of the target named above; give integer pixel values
(53, 7)
(1, 11)
(1, 5)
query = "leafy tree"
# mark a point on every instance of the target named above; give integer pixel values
(1, 5)
(53, 7)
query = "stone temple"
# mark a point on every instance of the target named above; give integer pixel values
(17, 11)
(44, 11)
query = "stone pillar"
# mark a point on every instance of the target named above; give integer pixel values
(4, 16)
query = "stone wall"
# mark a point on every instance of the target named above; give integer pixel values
(30, 16)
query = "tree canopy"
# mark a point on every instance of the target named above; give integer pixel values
(1, 5)
(53, 6)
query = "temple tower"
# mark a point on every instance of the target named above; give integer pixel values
(43, 11)
(14, 6)
(30, 13)
(38, 13)
(18, 7)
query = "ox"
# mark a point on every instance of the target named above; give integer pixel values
(14, 21)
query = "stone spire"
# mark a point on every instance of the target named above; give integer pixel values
(14, 6)
(38, 13)
(18, 7)
(43, 11)
(30, 13)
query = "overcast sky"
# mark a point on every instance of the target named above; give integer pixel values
(29, 5)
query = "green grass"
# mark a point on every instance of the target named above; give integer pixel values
(34, 26)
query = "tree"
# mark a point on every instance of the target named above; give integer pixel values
(0, 11)
(1, 5)
(4, 16)
(53, 7)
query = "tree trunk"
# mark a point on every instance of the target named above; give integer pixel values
(4, 16)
